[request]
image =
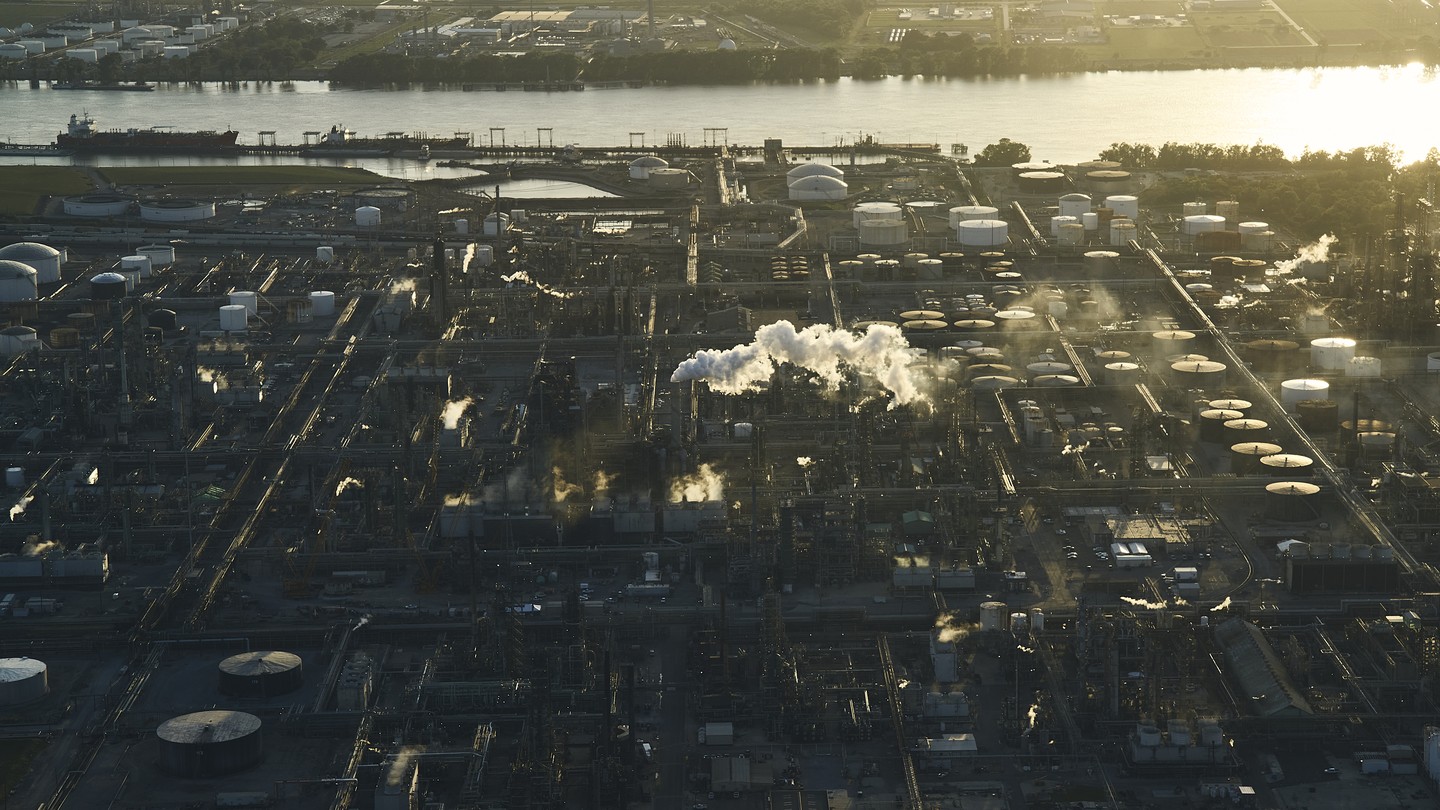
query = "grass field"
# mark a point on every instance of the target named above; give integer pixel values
(37, 14)
(288, 176)
(15, 759)
(22, 187)
(1148, 44)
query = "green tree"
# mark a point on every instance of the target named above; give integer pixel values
(1004, 153)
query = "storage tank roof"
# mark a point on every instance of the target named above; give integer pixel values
(259, 663)
(14, 269)
(649, 161)
(19, 669)
(204, 728)
(818, 182)
(812, 169)
(26, 251)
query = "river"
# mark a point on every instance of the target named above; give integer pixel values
(1063, 118)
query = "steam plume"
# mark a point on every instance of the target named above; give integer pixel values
(1315, 252)
(453, 410)
(1223, 604)
(348, 483)
(1130, 600)
(19, 508)
(705, 484)
(562, 490)
(880, 352)
(951, 629)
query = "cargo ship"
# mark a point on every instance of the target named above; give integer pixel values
(82, 136)
(340, 140)
(137, 87)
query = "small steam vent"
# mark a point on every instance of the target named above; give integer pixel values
(261, 674)
(213, 743)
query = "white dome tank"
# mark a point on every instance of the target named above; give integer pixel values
(884, 233)
(812, 170)
(1331, 353)
(322, 303)
(18, 281)
(1090, 220)
(983, 232)
(1056, 222)
(23, 680)
(1074, 205)
(1293, 392)
(44, 259)
(367, 216)
(1124, 205)
(992, 616)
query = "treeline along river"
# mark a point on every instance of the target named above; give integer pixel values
(1063, 118)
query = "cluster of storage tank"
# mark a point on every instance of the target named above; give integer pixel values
(1080, 222)
(814, 181)
(789, 268)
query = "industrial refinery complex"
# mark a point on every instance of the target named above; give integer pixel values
(777, 478)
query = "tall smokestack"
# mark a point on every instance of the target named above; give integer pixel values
(439, 286)
(650, 17)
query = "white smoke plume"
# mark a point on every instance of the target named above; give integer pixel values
(560, 489)
(19, 508)
(951, 629)
(402, 285)
(804, 461)
(705, 484)
(1316, 252)
(346, 484)
(880, 352)
(1130, 600)
(463, 499)
(601, 483)
(206, 374)
(1223, 605)
(453, 410)
(39, 547)
(523, 277)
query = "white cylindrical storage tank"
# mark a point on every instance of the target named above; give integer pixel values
(176, 210)
(875, 211)
(248, 299)
(325, 254)
(97, 205)
(322, 303)
(484, 255)
(813, 169)
(176, 51)
(1287, 465)
(1101, 262)
(1126, 206)
(23, 680)
(1252, 227)
(1201, 223)
(1167, 342)
(983, 232)
(367, 216)
(16, 340)
(462, 226)
(160, 255)
(15, 477)
(1037, 620)
(208, 744)
(818, 187)
(43, 259)
(669, 178)
(164, 31)
(84, 54)
(495, 224)
(1122, 373)
(1090, 221)
(1230, 209)
(1376, 443)
(233, 318)
(1198, 373)
(105, 47)
(993, 382)
(32, 46)
(1260, 242)
(1056, 222)
(992, 616)
(1363, 367)
(1331, 353)
(18, 281)
(1122, 231)
(1015, 319)
(1432, 362)
(1074, 205)
(1293, 392)
(884, 232)
(966, 213)
(1194, 209)
(930, 269)
(1019, 623)
(1071, 235)
(641, 167)
(139, 264)
(150, 47)
(13, 50)
(199, 32)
